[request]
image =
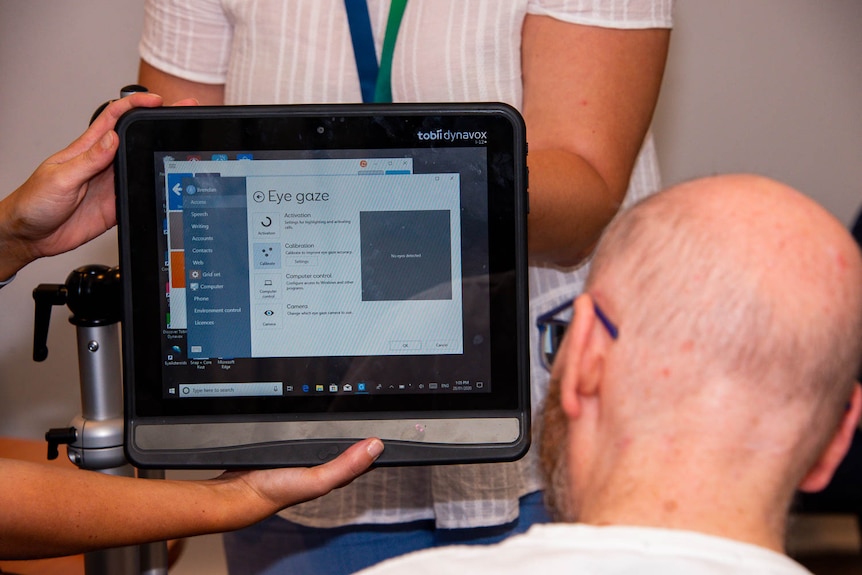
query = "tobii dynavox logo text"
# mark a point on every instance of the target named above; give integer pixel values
(450, 136)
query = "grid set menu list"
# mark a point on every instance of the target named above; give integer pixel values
(313, 258)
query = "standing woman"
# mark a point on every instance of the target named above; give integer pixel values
(585, 74)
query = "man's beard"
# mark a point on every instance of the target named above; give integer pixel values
(553, 457)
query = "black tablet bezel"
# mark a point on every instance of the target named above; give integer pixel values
(144, 132)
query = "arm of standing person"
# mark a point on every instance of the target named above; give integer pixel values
(50, 511)
(174, 87)
(589, 97)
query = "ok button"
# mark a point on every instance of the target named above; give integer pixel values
(405, 345)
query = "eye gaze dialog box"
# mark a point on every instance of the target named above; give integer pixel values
(316, 258)
(298, 277)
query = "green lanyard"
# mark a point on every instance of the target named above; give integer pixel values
(375, 81)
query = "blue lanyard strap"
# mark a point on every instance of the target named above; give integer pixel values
(375, 81)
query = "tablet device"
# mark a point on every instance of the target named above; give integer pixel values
(296, 278)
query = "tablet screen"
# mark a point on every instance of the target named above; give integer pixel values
(299, 276)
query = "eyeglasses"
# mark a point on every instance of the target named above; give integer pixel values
(552, 329)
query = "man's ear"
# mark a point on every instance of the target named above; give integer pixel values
(582, 357)
(820, 474)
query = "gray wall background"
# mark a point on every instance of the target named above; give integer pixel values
(766, 86)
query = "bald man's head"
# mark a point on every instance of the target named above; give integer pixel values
(739, 277)
(739, 307)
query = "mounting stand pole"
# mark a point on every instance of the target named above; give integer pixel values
(95, 438)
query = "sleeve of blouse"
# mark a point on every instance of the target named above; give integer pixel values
(625, 14)
(189, 39)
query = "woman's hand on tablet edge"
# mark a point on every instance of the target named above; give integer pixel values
(69, 199)
(266, 491)
(125, 511)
